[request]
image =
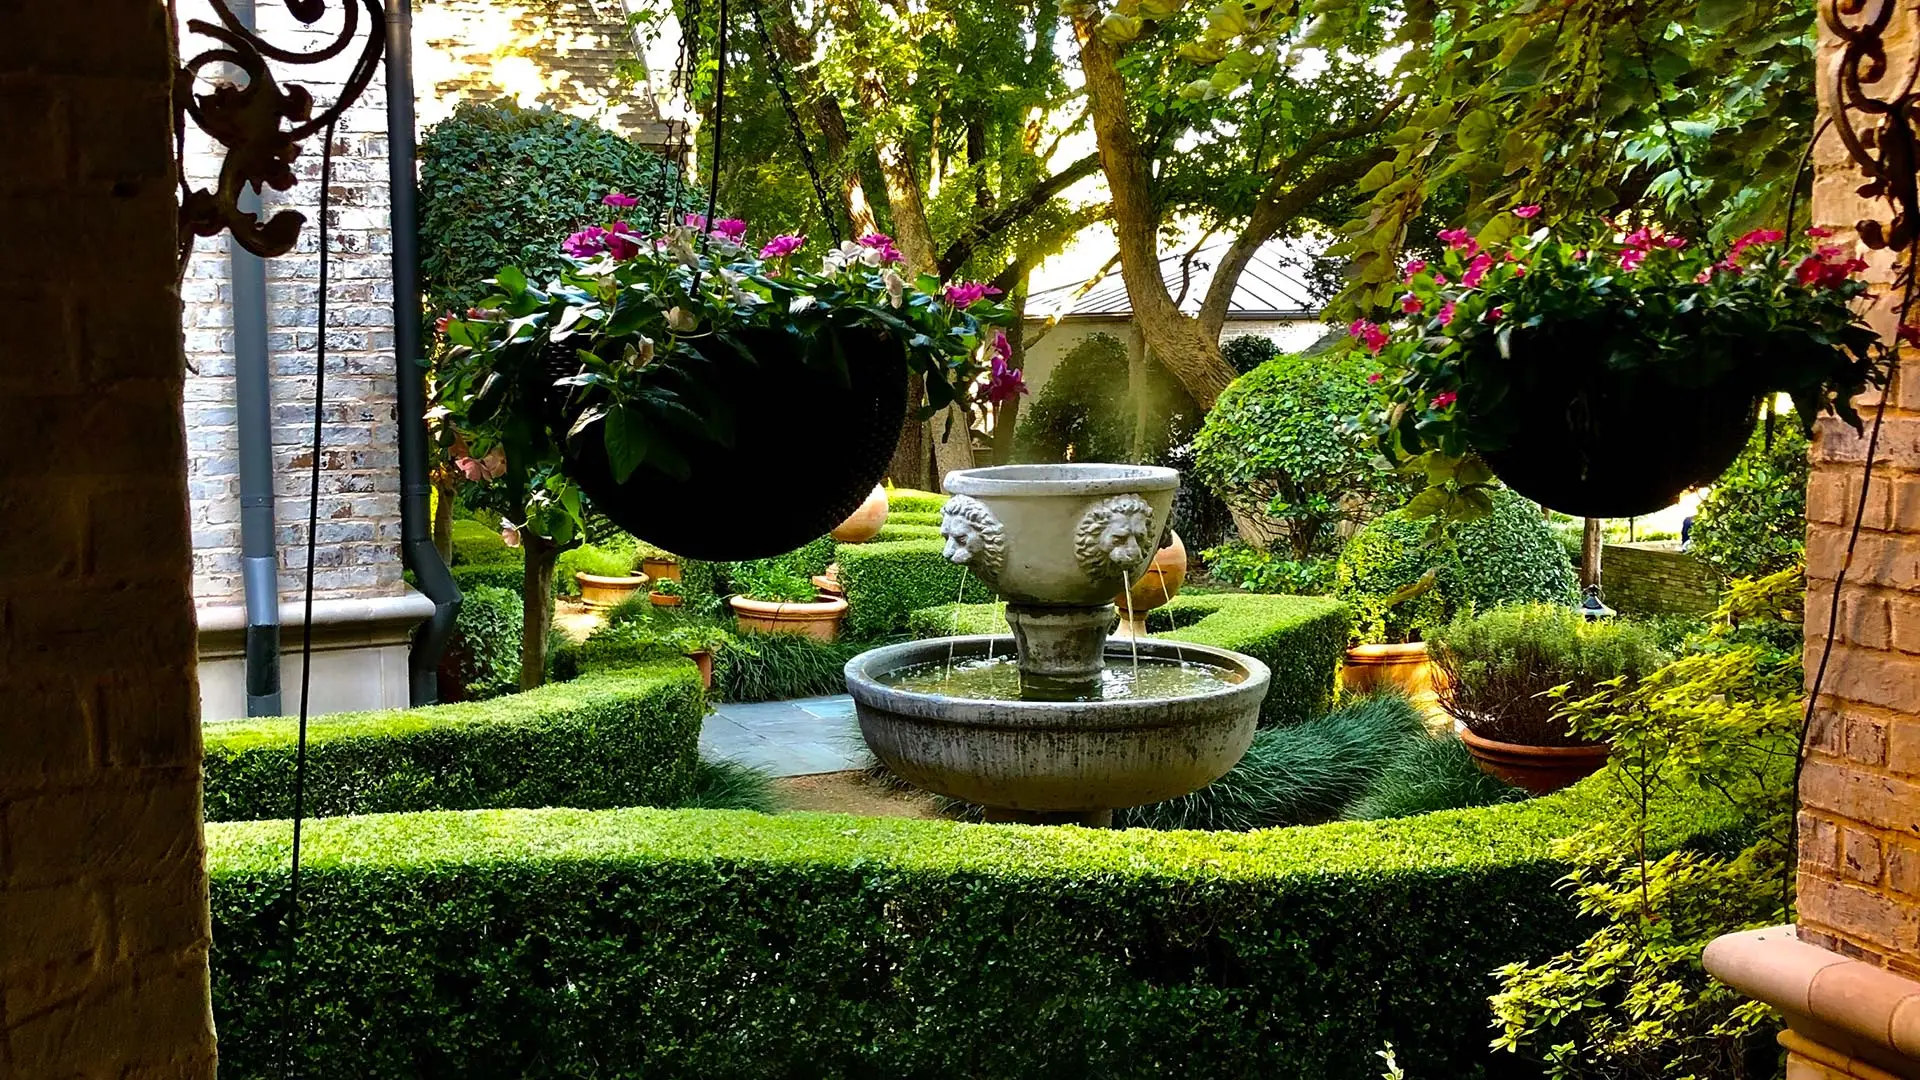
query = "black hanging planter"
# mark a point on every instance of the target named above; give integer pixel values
(1587, 439)
(808, 448)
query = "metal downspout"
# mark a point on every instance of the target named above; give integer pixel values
(416, 519)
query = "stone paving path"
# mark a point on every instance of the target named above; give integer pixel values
(787, 738)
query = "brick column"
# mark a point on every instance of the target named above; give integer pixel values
(1846, 979)
(103, 893)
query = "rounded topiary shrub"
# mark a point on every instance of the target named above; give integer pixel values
(1403, 580)
(482, 659)
(1754, 521)
(1277, 448)
(1087, 410)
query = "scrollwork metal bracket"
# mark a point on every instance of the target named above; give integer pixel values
(260, 123)
(1877, 130)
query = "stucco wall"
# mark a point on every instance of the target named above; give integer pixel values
(1045, 349)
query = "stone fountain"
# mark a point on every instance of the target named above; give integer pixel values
(1057, 724)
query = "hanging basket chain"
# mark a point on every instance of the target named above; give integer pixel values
(775, 64)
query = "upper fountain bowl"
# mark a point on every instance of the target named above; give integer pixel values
(1084, 530)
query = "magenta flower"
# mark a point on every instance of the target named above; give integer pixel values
(1819, 233)
(964, 294)
(1674, 243)
(1631, 258)
(1413, 268)
(1641, 238)
(1494, 314)
(1757, 236)
(1446, 313)
(694, 221)
(883, 244)
(732, 229)
(620, 202)
(1373, 379)
(1476, 270)
(1411, 304)
(1369, 334)
(1444, 398)
(1460, 240)
(622, 241)
(1004, 381)
(586, 243)
(1527, 212)
(782, 246)
(1826, 269)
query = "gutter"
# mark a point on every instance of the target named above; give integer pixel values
(417, 552)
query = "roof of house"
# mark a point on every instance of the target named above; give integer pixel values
(1273, 286)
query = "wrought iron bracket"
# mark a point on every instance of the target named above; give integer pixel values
(1877, 127)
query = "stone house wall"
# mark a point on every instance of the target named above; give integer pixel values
(1655, 577)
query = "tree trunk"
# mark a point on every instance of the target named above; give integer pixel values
(536, 607)
(1006, 420)
(444, 495)
(912, 461)
(1591, 537)
(797, 50)
(1176, 339)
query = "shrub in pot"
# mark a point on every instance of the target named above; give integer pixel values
(1506, 672)
(1550, 360)
(774, 598)
(666, 593)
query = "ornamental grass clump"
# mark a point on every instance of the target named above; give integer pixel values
(1508, 671)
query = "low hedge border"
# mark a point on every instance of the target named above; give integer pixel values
(911, 501)
(893, 531)
(620, 736)
(562, 943)
(886, 583)
(1301, 638)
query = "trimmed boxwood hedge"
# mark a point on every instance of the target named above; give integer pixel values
(887, 582)
(714, 944)
(905, 531)
(911, 501)
(1301, 638)
(625, 736)
(475, 544)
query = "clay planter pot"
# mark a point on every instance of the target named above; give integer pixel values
(1158, 585)
(1539, 769)
(703, 659)
(865, 523)
(663, 600)
(600, 592)
(1379, 667)
(819, 620)
(661, 569)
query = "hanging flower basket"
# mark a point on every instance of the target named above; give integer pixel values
(1603, 375)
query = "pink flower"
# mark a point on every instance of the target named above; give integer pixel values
(694, 221)
(622, 241)
(586, 243)
(1446, 312)
(1439, 278)
(1004, 381)
(1415, 267)
(1444, 398)
(1411, 304)
(1460, 240)
(964, 294)
(1476, 270)
(1674, 243)
(1826, 269)
(1631, 258)
(1493, 315)
(620, 202)
(782, 246)
(1818, 233)
(1369, 334)
(732, 229)
(1757, 236)
(440, 324)
(1528, 212)
(883, 243)
(1373, 379)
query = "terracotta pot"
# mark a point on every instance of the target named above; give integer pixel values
(663, 600)
(661, 569)
(819, 620)
(865, 523)
(703, 659)
(1158, 584)
(1539, 769)
(829, 582)
(598, 592)
(1378, 667)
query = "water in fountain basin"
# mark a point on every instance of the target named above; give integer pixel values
(1133, 633)
(997, 678)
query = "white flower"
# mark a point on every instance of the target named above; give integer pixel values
(896, 286)
(682, 321)
(641, 355)
(683, 251)
(872, 256)
(736, 283)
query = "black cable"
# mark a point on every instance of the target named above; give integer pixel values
(774, 65)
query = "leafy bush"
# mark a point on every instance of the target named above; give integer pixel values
(1502, 666)
(621, 736)
(508, 575)
(1087, 411)
(539, 944)
(608, 561)
(482, 659)
(1277, 448)
(637, 630)
(729, 785)
(1754, 521)
(503, 186)
(1429, 774)
(886, 583)
(773, 582)
(476, 544)
(1250, 568)
(909, 500)
(1248, 351)
(1302, 774)
(774, 667)
(1404, 583)
(906, 531)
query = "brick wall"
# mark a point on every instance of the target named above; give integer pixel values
(359, 534)
(103, 909)
(1860, 799)
(1655, 577)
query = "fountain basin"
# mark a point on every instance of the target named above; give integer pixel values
(1051, 757)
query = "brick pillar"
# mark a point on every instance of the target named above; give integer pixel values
(1846, 978)
(103, 891)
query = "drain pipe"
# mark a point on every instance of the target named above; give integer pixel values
(253, 398)
(417, 552)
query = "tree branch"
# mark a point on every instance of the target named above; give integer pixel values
(1012, 213)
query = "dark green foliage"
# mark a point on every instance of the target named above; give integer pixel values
(609, 559)
(1301, 774)
(887, 583)
(1248, 351)
(910, 501)
(1242, 565)
(1754, 521)
(729, 785)
(476, 544)
(773, 667)
(1087, 410)
(1429, 774)
(504, 575)
(772, 582)
(1502, 666)
(1278, 449)
(483, 654)
(640, 630)
(537, 944)
(503, 186)
(906, 531)
(614, 737)
(1508, 557)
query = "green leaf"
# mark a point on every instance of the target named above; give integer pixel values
(1377, 177)
(1475, 131)
(628, 440)
(512, 279)
(1529, 64)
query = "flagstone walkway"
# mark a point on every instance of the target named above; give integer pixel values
(801, 737)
